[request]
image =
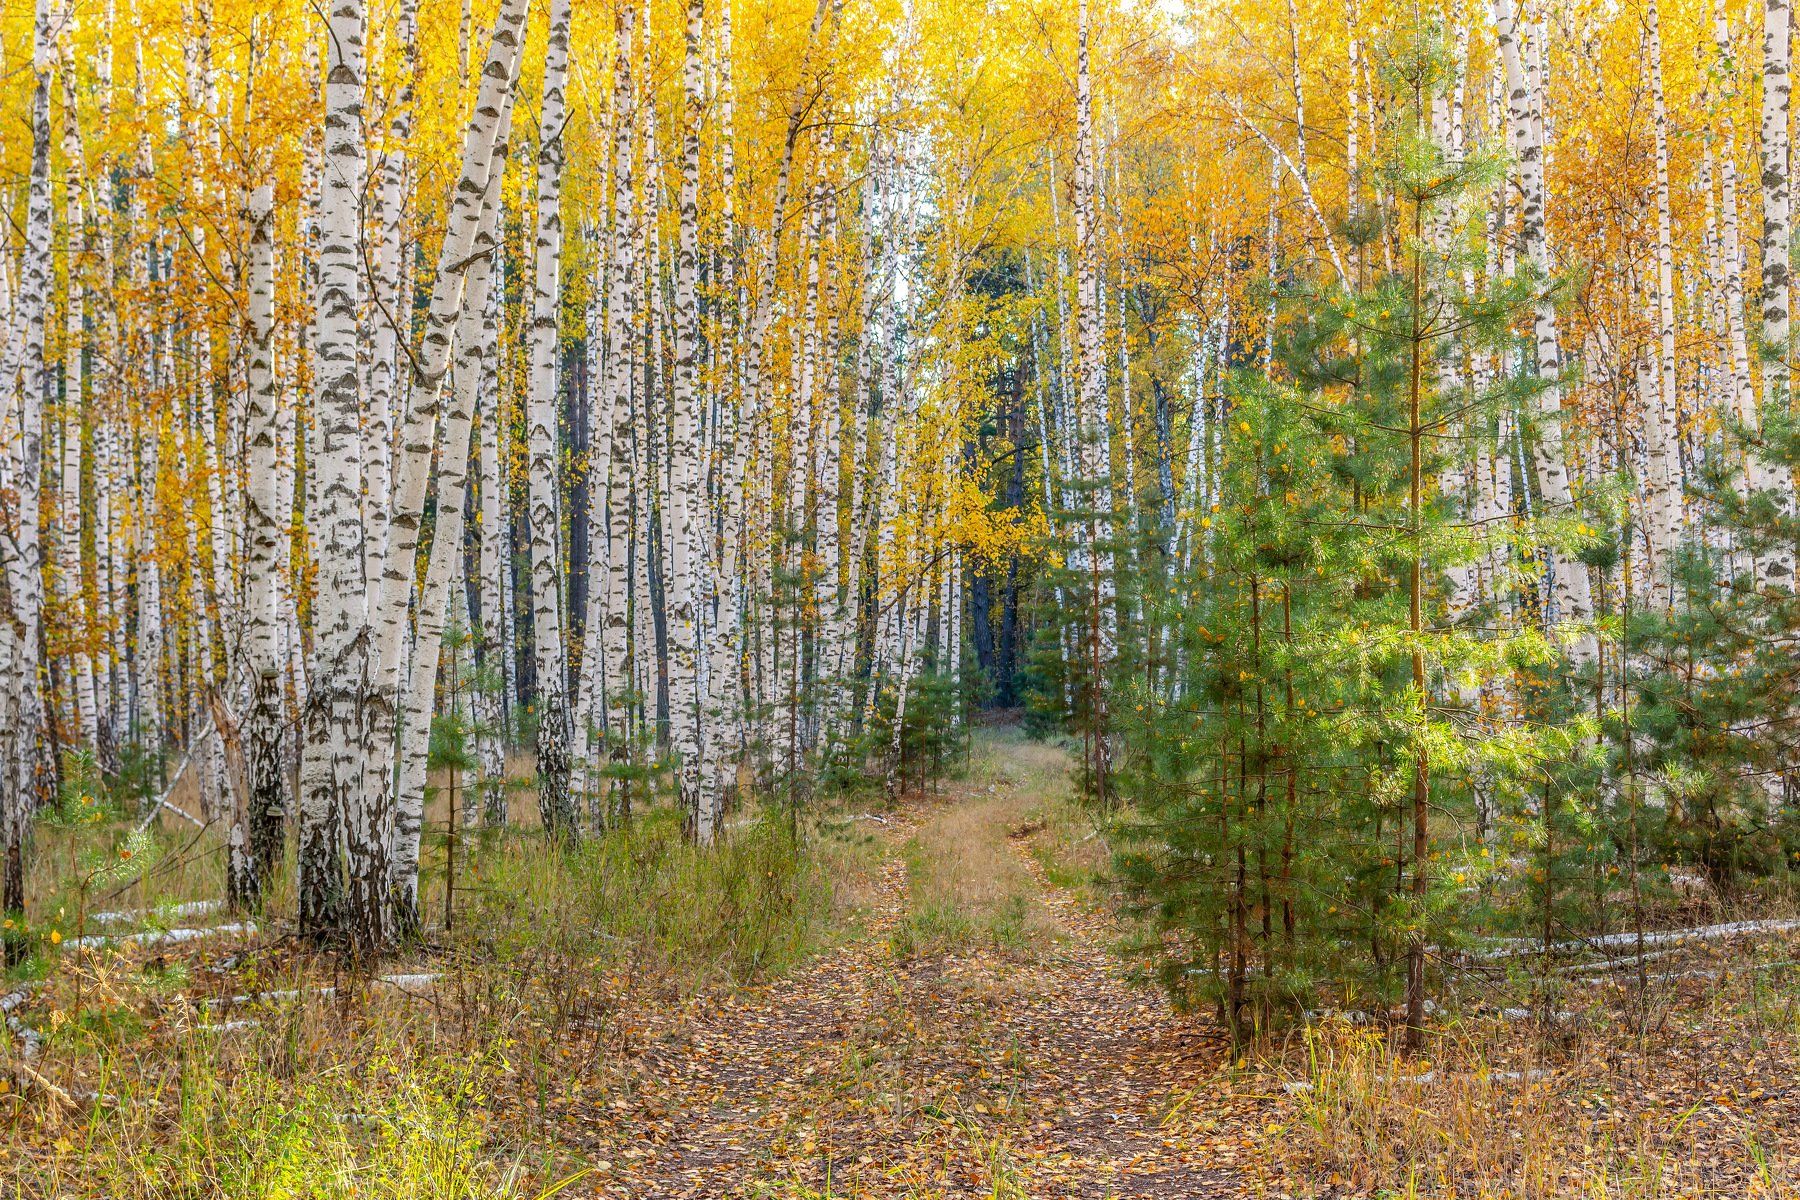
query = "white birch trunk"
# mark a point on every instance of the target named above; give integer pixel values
(1572, 597)
(1093, 435)
(147, 686)
(334, 802)
(445, 565)
(554, 734)
(389, 312)
(494, 572)
(1663, 482)
(1777, 567)
(686, 706)
(727, 701)
(72, 594)
(622, 293)
(1743, 397)
(256, 835)
(22, 776)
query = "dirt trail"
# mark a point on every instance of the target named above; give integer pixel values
(979, 1040)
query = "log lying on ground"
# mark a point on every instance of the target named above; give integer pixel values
(1697, 973)
(416, 984)
(1519, 947)
(163, 937)
(30, 1040)
(193, 908)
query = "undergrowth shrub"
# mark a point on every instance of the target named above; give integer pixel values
(339, 1086)
(1475, 1121)
(246, 1119)
(753, 904)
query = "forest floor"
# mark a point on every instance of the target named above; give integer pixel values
(980, 1037)
(977, 1039)
(928, 1003)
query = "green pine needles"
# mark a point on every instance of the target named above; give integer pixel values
(1317, 781)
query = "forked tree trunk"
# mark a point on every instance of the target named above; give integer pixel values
(348, 757)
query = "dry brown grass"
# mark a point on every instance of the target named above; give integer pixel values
(966, 884)
(1701, 1107)
(365, 1091)
(1492, 1113)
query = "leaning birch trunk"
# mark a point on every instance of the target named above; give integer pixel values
(1572, 593)
(256, 834)
(446, 558)
(685, 702)
(1776, 567)
(347, 758)
(554, 733)
(429, 364)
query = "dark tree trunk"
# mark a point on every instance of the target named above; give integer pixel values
(577, 397)
(981, 604)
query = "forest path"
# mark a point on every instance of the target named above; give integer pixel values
(977, 1040)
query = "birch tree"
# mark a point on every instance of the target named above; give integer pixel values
(347, 760)
(444, 563)
(1776, 567)
(1092, 433)
(1572, 592)
(686, 706)
(335, 802)
(555, 731)
(1661, 433)
(21, 633)
(256, 835)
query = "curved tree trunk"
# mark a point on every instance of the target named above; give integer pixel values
(446, 558)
